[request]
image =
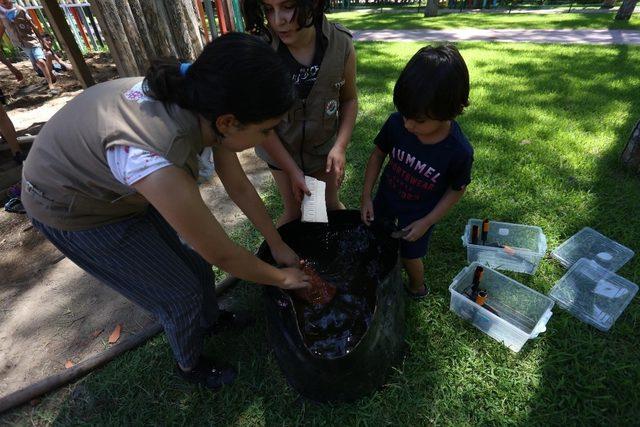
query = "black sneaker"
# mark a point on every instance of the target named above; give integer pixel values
(209, 375)
(14, 206)
(228, 320)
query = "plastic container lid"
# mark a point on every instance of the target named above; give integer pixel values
(593, 294)
(588, 243)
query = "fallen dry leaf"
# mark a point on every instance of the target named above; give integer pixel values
(525, 142)
(115, 335)
(97, 332)
(68, 364)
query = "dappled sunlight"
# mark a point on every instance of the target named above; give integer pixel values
(547, 123)
(415, 20)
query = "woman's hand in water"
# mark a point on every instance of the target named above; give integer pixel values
(298, 185)
(294, 278)
(335, 164)
(284, 255)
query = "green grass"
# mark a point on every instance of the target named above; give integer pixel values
(576, 106)
(405, 21)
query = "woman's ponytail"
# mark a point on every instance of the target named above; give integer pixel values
(166, 83)
(236, 73)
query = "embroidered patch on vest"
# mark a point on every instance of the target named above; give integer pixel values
(331, 107)
(136, 94)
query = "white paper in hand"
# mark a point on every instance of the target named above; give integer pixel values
(314, 207)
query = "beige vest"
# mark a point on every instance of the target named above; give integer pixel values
(66, 180)
(309, 129)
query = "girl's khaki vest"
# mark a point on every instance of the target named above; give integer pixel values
(309, 129)
(66, 180)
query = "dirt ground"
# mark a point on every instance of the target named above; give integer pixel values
(52, 312)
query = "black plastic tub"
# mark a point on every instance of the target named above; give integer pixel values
(363, 263)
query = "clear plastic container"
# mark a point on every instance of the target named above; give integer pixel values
(520, 313)
(593, 294)
(588, 243)
(512, 247)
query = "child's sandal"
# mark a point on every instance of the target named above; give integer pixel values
(417, 295)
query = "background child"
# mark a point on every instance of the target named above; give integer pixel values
(57, 64)
(430, 159)
(313, 137)
(15, 20)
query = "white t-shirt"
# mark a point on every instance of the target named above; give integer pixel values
(130, 164)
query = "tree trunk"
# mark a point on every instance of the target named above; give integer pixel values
(133, 38)
(626, 10)
(185, 28)
(156, 17)
(143, 29)
(631, 154)
(608, 4)
(431, 9)
(140, 30)
(106, 13)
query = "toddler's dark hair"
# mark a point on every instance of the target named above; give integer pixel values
(308, 14)
(434, 84)
(235, 74)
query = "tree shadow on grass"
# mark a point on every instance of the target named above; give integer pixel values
(405, 21)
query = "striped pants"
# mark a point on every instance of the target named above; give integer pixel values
(143, 259)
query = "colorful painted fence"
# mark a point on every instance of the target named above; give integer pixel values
(216, 17)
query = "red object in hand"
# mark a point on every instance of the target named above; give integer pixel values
(319, 291)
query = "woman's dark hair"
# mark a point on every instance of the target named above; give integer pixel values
(308, 13)
(235, 74)
(434, 84)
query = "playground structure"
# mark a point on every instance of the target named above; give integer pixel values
(134, 31)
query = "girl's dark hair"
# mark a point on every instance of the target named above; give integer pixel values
(434, 84)
(308, 13)
(235, 74)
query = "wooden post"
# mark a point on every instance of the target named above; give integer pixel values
(143, 30)
(131, 36)
(231, 16)
(64, 36)
(158, 23)
(113, 31)
(221, 7)
(203, 19)
(210, 16)
(140, 30)
(186, 35)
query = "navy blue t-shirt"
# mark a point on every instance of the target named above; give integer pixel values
(417, 175)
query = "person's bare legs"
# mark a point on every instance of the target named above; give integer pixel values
(415, 271)
(331, 191)
(289, 202)
(49, 59)
(16, 73)
(44, 67)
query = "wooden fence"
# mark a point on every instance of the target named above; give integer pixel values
(216, 17)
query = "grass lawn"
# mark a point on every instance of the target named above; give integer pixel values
(574, 106)
(415, 20)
